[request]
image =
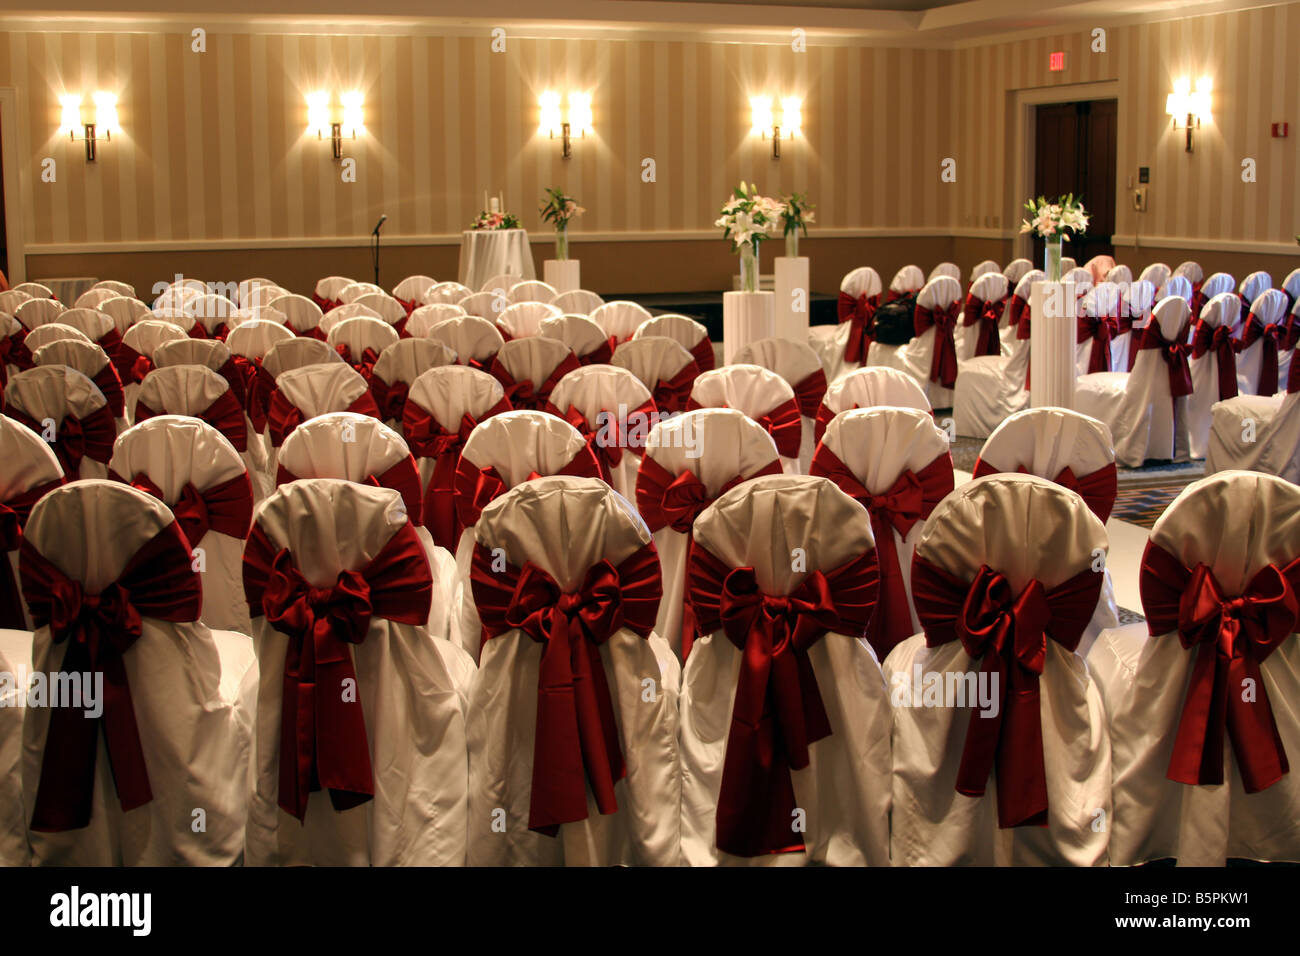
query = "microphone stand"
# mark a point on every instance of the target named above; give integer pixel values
(374, 254)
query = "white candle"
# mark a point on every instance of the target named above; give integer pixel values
(496, 206)
(501, 201)
(485, 202)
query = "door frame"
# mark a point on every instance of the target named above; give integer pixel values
(11, 126)
(1023, 178)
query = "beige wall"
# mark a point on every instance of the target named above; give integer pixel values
(214, 152)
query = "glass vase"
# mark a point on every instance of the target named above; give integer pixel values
(1052, 258)
(792, 244)
(749, 267)
(562, 243)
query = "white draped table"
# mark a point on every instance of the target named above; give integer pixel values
(492, 252)
(68, 290)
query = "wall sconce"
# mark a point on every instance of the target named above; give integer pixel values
(553, 123)
(321, 121)
(763, 120)
(105, 120)
(1189, 107)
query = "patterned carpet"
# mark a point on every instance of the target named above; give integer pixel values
(1142, 506)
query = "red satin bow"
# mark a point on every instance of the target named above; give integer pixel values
(391, 398)
(673, 394)
(1100, 329)
(158, 583)
(943, 364)
(1232, 635)
(908, 500)
(1018, 317)
(258, 384)
(861, 311)
(14, 513)
(1097, 488)
(225, 414)
(323, 742)
(365, 365)
(1007, 633)
(608, 440)
(600, 355)
(809, 392)
(777, 712)
(526, 394)
(576, 743)
(702, 353)
(1207, 338)
(108, 383)
(1173, 353)
(226, 507)
(988, 313)
(122, 355)
(282, 416)
(77, 438)
(785, 425)
(477, 487)
(1268, 336)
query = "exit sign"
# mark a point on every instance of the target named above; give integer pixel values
(1056, 61)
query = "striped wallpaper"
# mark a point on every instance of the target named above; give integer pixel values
(215, 150)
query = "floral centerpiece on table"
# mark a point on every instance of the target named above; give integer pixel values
(558, 210)
(1055, 222)
(747, 219)
(494, 220)
(796, 214)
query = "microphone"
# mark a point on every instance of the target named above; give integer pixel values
(379, 225)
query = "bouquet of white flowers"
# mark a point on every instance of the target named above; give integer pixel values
(1055, 220)
(487, 221)
(748, 218)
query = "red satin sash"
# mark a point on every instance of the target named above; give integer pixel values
(225, 414)
(1232, 635)
(908, 500)
(390, 398)
(667, 500)
(1007, 633)
(257, 389)
(988, 314)
(702, 353)
(809, 392)
(14, 513)
(477, 487)
(99, 629)
(861, 311)
(777, 711)
(525, 393)
(608, 450)
(1019, 316)
(943, 364)
(1097, 488)
(1100, 329)
(428, 439)
(600, 355)
(226, 507)
(673, 394)
(108, 383)
(323, 741)
(77, 438)
(1268, 336)
(1173, 353)
(576, 744)
(1207, 338)
(403, 477)
(364, 365)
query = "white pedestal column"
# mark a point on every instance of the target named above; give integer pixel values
(792, 298)
(564, 275)
(1052, 315)
(746, 317)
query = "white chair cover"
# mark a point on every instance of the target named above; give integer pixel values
(583, 337)
(1157, 274)
(762, 395)
(1262, 328)
(361, 340)
(185, 458)
(298, 352)
(1176, 285)
(1258, 432)
(30, 471)
(412, 690)
(1024, 529)
(917, 357)
(530, 368)
(36, 312)
(1212, 339)
(44, 398)
(248, 287)
(301, 314)
(866, 388)
(1217, 538)
(1099, 267)
(125, 312)
(950, 269)
(983, 268)
(525, 317)
(532, 290)
(1015, 271)
(839, 813)
(355, 290)
(329, 288)
(191, 690)
(384, 306)
(500, 283)
(577, 302)
(349, 310)
(563, 528)
(400, 364)
(11, 299)
(620, 318)
(214, 313)
(989, 288)
(1139, 299)
(425, 317)
(1251, 288)
(798, 364)
(1138, 407)
(35, 290)
(91, 298)
(615, 412)
(410, 291)
(486, 305)
(316, 389)
(1121, 275)
(446, 293)
(91, 361)
(714, 447)
(1191, 271)
(121, 288)
(663, 365)
(1103, 301)
(475, 340)
(358, 448)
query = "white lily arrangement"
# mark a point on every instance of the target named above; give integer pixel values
(1055, 220)
(748, 218)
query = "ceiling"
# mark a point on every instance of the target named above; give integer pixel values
(933, 23)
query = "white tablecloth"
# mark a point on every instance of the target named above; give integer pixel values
(492, 252)
(68, 290)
